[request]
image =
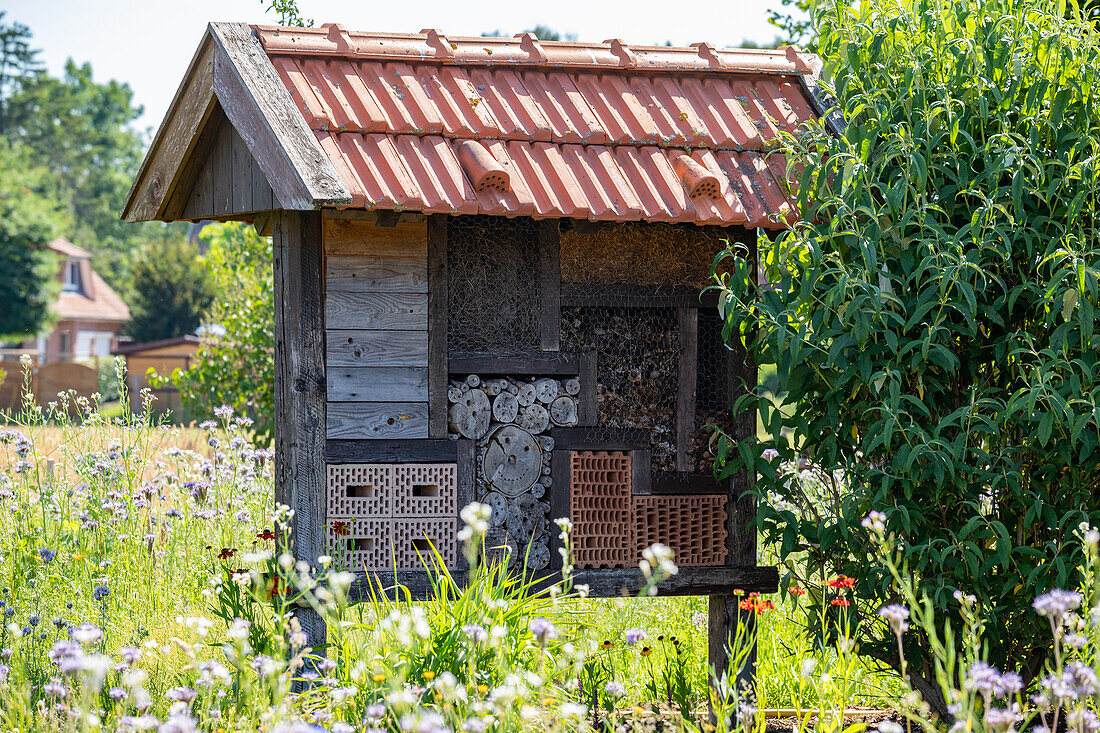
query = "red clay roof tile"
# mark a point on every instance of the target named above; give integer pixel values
(579, 130)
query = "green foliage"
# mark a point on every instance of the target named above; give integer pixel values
(28, 221)
(795, 24)
(287, 12)
(18, 60)
(170, 292)
(82, 132)
(933, 317)
(236, 361)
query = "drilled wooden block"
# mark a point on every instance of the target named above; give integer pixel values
(694, 526)
(413, 540)
(599, 507)
(361, 490)
(361, 544)
(425, 490)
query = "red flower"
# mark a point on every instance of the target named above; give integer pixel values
(341, 528)
(226, 553)
(267, 534)
(842, 581)
(795, 590)
(840, 602)
(755, 603)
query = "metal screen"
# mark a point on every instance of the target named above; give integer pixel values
(493, 284)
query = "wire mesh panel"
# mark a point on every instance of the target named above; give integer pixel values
(716, 387)
(494, 287)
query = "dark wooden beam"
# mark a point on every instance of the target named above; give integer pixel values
(391, 451)
(594, 438)
(550, 285)
(300, 474)
(437, 326)
(686, 384)
(535, 364)
(636, 296)
(587, 413)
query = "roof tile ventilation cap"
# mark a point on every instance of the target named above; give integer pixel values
(482, 168)
(696, 178)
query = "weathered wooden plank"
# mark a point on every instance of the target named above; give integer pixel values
(178, 202)
(377, 348)
(263, 198)
(242, 176)
(377, 384)
(676, 483)
(467, 479)
(549, 285)
(200, 205)
(357, 237)
(367, 274)
(300, 414)
(686, 385)
(370, 420)
(221, 159)
(437, 325)
(393, 451)
(260, 107)
(535, 364)
(175, 140)
(641, 471)
(377, 311)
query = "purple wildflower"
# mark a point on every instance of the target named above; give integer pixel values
(1057, 603)
(633, 636)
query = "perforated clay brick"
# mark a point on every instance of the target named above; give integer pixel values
(599, 507)
(360, 490)
(694, 526)
(365, 546)
(414, 538)
(425, 490)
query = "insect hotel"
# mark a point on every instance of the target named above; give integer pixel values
(489, 262)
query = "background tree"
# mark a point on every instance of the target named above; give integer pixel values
(29, 220)
(18, 61)
(933, 317)
(236, 361)
(171, 291)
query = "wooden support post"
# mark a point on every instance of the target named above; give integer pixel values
(740, 525)
(300, 480)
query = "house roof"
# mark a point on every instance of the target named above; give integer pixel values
(96, 301)
(64, 247)
(186, 340)
(507, 126)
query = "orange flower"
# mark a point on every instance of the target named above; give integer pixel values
(795, 590)
(840, 602)
(755, 603)
(842, 581)
(341, 528)
(226, 553)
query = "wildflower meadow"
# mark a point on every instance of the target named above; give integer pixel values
(144, 589)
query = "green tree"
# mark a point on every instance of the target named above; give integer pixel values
(236, 361)
(29, 219)
(18, 61)
(171, 290)
(287, 12)
(82, 132)
(933, 317)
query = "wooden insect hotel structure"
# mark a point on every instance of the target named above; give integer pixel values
(489, 262)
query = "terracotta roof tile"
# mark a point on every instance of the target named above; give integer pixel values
(578, 130)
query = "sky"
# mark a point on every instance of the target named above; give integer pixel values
(148, 43)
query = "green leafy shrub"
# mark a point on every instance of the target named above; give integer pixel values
(236, 361)
(933, 317)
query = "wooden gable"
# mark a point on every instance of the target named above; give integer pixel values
(223, 179)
